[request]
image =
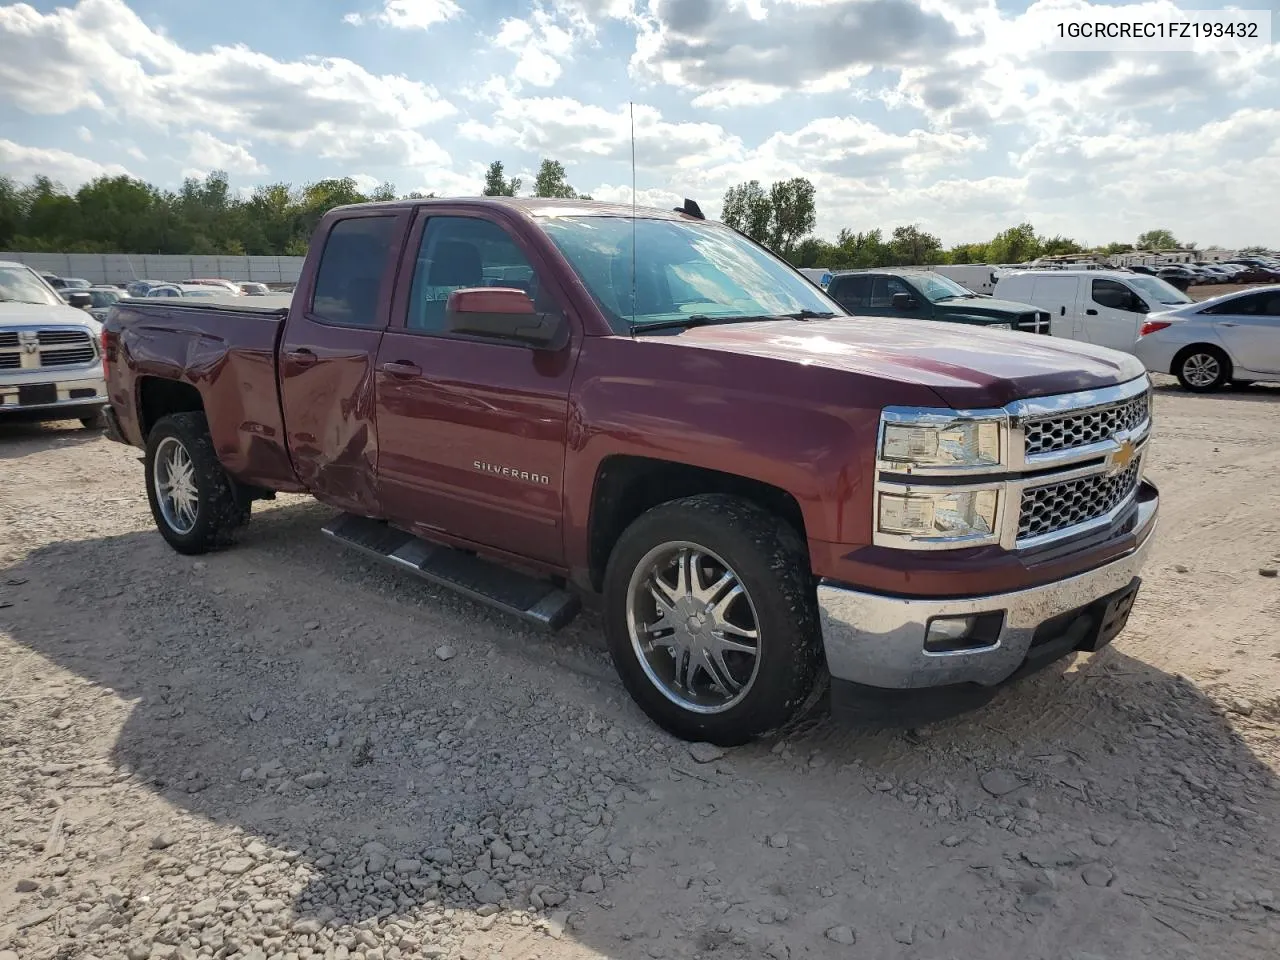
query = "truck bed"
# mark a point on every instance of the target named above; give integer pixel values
(226, 352)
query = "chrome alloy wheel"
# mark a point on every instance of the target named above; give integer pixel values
(175, 484)
(1201, 369)
(693, 627)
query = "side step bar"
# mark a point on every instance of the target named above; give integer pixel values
(516, 593)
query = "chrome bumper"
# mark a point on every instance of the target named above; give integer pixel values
(878, 641)
(65, 381)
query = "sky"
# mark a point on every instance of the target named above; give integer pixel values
(953, 115)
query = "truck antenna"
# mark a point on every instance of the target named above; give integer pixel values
(633, 217)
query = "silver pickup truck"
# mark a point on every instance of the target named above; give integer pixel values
(50, 353)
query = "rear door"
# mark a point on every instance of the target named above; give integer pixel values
(473, 430)
(1058, 296)
(1113, 314)
(1249, 326)
(852, 291)
(327, 353)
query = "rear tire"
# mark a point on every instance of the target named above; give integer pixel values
(196, 506)
(1202, 368)
(733, 578)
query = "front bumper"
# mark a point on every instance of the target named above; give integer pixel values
(876, 641)
(59, 390)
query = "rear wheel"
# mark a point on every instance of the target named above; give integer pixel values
(195, 504)
(96, 421)
(1202, 368)
(712, 620)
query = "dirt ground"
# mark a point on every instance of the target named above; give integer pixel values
(286, 751)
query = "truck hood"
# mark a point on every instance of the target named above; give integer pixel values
(982, 307)
(44, 315)
(966, 366)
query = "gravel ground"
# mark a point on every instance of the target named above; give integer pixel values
(285, 751)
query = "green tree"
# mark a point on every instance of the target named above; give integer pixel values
(794, 213)
(1111, 249)
(1015, 245)
(747, 208)
(910, 245)
(1157, 240)
(496, 183)
(552, 182)
(968, 253)
(1057, 246)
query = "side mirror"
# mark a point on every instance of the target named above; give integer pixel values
(80, 300)
(901, 301)
(503, 313)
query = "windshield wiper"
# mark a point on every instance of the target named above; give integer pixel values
(697, 320)
(805, 315)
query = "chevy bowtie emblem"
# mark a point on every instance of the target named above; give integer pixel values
(1119, 461)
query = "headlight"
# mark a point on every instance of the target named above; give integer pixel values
(936, 441)
(939, 515)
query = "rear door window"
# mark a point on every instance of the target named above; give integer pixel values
(352, 265)
(852, 293)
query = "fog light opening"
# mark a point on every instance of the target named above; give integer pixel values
(968, 632)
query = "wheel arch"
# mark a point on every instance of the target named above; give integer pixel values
(626, 486)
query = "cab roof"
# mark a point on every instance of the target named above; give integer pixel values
(537, 207)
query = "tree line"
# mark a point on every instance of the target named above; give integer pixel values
(205, 216)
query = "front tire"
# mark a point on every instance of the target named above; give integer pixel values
(712, 618)
(1202, 369)
(194, 503)
(97, 421)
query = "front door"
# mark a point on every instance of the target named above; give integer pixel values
(326, 360)
(1250, 328)
(1112, 316)
(473, 430)
(882, 292)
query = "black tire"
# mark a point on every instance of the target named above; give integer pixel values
(219, 509)
(772, 565)
(96, 421)
(1191, 364)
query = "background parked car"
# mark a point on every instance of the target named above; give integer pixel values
(1206, 345)
(230, 286)
(104, 298)
(187, 290)
(139, 288)
(254, 289)
(925, 295)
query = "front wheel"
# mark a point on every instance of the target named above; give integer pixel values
(194, 503)
(711, 618)
(1203, 369)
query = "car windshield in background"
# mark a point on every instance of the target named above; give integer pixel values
(683, 270)
(20, 285)
(937, 287)
(1153, 288)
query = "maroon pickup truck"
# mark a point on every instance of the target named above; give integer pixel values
(536, 401)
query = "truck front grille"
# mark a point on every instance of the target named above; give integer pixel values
(1057, 506)
(36, 349)
(1081, 428)
(1037, 322)
(66, 357)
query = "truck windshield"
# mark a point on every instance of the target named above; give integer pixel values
(682, 270)
(20, 285)
(937, 287)
(1153, 288)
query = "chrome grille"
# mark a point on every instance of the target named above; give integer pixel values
(66, 357)
(1057, 506)
(1081, 428)
(10, 361)
(50, 338)
(8, 338)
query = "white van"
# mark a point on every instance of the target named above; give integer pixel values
(1106, 307)
(978, 277)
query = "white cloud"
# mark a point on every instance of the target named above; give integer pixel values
(23, 163)
(540, 43)
(100, 55)
(85, 134)
(210, 153)
(408, 14)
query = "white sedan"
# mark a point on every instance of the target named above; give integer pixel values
(1234, 338)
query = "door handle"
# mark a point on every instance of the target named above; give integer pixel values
(301, 357)
(1062, 311)
(1091, 312)
(401, 368)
